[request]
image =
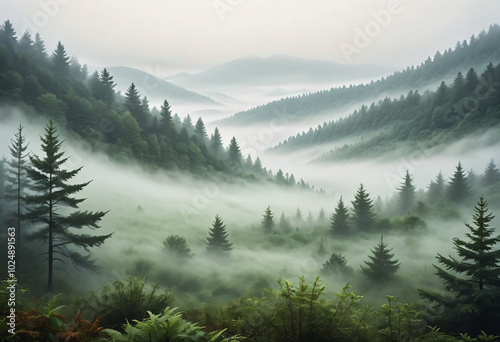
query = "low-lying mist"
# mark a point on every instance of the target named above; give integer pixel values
(146, 207)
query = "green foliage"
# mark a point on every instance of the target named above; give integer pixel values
(125, 300)
(51, 192)
(336, 265)
(298, 313)
(363, 217)
(403, 323)
(166, 326)
(217, 242)
(471, 281)
(381, 267)
(340, 219)
(268, 220)
(458, 188)
(406, 193)
(177, 248)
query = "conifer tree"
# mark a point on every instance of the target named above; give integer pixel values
(268, 220)
(107, 92)
(200, 130)
(406, 194)
(257, 166)
(284, 223)
(436, 191)
(336, 265)
(17, 179)
(26, 43)
(39, 48)
(381, 267)
(473, 279)
(363, 217)
(216, 142)
(52, 192)
(458, 188)
(166, 122)
(61, 60)
(491, 175)
(133, 104)
(340, 219)
(298, 216)
(8, 35)
(217, 242)
(234, 152)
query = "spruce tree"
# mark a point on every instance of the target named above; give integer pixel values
(406, 194)
(436, 191)
(26, 43)
(473, 279)
(133, 104)
(284, 223)
(217, 242)
(61, 60)
(107, 92)
(458, 188)
(234, 152)
(340, 219)
(8, 35)
(39, 49)
(216, 142)
(268, 220)
(491, 175)
(166, 122)
(3, 197)
(363, 217)
(17, 180)
(52, 193)
(381, 267)
(200, 130)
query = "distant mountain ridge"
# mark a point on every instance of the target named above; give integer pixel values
(278, 70)
(155, 88)
(478, 52)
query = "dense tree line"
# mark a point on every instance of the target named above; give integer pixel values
(126, 127)
(478, 51)
(470, 104)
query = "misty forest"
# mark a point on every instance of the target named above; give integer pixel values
(373, 217)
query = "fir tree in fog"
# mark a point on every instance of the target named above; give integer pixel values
(52, 192)
(340, 219)
(458, 189)
(217, 242)
(382, 266)
(406, 192)
(363, 217)
(473, 279)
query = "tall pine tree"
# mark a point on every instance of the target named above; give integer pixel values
(17, 180)
(217, 242)
(363, 217)
(472, 279)
(458, 189)
(381, 267)
(61, 60)
(406, 192)
(268, 220)
(52, 193)
(340, 219)
(491, 175)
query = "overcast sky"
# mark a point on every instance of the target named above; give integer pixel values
(168, 36)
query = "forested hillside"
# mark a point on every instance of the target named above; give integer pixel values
(477, 52)
(470, 104)
(125, 127)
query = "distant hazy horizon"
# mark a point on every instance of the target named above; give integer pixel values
(168, 37)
